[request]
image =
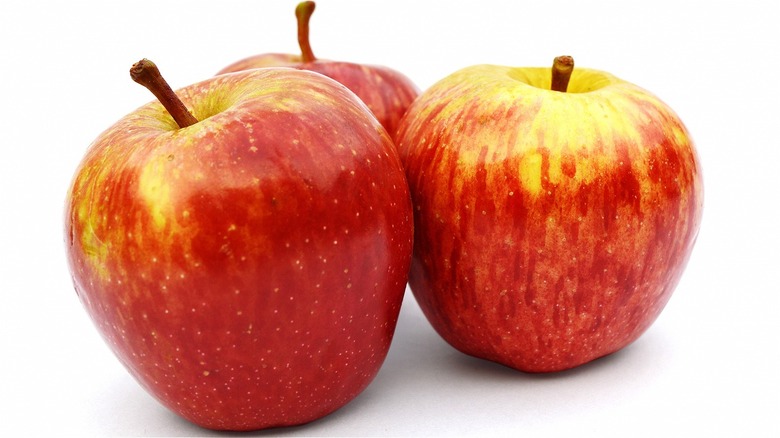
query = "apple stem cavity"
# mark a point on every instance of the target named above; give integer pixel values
(561, 73)
(146, 73)
(303, 13)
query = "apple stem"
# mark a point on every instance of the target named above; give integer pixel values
(146, 73)
(561, 73)
(303, 13)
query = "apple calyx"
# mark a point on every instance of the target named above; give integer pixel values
(146, 73)
(303, 13)
(561, 73)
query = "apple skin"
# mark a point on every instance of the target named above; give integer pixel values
(247, 270)
(386, 92)
(550, 228)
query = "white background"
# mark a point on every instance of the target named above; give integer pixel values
(707, 367)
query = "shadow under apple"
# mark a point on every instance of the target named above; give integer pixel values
(416, 341)
(422, 373)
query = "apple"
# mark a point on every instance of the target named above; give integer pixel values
(245, 261)
(551, 224)
(387, 92)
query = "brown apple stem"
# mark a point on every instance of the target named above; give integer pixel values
(561, 73)
(146, 73)
(303, 13)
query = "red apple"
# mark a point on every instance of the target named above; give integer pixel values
(386, 92)
(247, 269)
(550, 227)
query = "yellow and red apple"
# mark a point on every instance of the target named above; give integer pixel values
(551, 226)
(386, 92)
(248, 266)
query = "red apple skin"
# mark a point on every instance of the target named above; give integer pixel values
(247, 270)
(550, 228)
(386, 92)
